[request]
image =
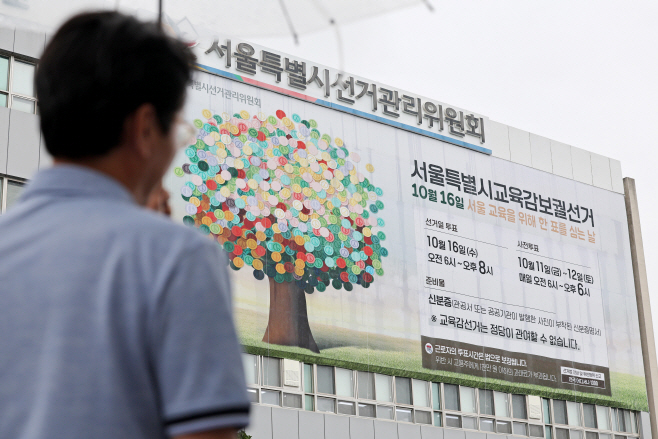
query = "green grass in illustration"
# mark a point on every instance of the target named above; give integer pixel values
(398, 356)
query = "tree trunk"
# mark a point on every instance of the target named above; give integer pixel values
(288, 321)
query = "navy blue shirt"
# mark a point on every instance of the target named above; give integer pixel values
(114, 321)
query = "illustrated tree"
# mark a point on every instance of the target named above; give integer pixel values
(289, 202)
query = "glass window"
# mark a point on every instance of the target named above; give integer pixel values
(546, 403)
(487, 424)
(327, 405)
(591, 435)
(634, 422)
(420, 394)
(366, 384)
(469, 422)
(270, 397)
(271, 372)
(548, 431)
(560, 413)
(250, 364)
(384, 388)
(520, 428)
(21, 104)
(518, 407)
(3, 100)
(325, 380)
(617, 436)
(576, 434)
(404, 414)
(436, 393)
(252, 394)
(346, 408)
(486, 402)
(22, 81)
(453, 421)
(344, 382)
(604, 436)
(437, 419)
(573, 410)
(4, 73)
(384, 412)
(309, 403)
(451, 395)
(561, 433)
(14, 191)
(423, 417)
(613, 419)
(467, 399)
(602, 418)
(403, 390)
(292, 400)
(627, 420)
(589, 416)
(367, 410)
(308, 378)
(504, 427)
(536, 430)
(501, 404)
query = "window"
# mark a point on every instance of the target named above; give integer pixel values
(383, 388)
(309, 403)
(344, 382)
(10, 192)
(469, 422)
(602, 418)
(270, 397)
(250, 363)
(420, 393)
(467, 399)
(326, 405)
(487, 424)
(366, 382)
(486, 402)
(560, 413)
(546, 404)
(346, 408)
(589, 416)
(367, 410)
(17, 84)
(436, 396)
(384, 412)
(504, 427)
(325, 380)
(451, 394)
(561, 433)
(520, 428)
(453, 421)
(308, 378)
(573, 411)
(404, 414)
(518, 407)
(423, 417)
(437, 419)
(501, 404)
(402, 390)
(536, 431)
(292, 400)
(271, 372)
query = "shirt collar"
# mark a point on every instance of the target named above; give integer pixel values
(71, 181)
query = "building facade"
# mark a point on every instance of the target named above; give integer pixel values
(435, 335)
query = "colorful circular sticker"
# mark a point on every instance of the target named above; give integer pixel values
(284, 199)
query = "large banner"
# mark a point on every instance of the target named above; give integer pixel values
(360, 244)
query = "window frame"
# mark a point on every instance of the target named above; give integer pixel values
(13, 58)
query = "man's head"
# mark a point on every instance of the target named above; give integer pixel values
(110, 88)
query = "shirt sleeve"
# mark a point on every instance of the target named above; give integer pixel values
(196, 354)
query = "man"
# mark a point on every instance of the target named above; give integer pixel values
(114, 321)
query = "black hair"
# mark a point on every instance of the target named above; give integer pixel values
(97, 69)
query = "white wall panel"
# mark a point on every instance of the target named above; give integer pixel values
(385, 430)
(29, 43)
(336, 427)
(311, 425)
(429, 432)
(7, 39)
(540, 148)
(581, 163)
(601, 176)
(519, 146)
(498, 140)
(561, 159)
(449, 433)
(285, 423)
(408, 431)
(260, 422)
(23, 148)
(362, 428)
(616, 176)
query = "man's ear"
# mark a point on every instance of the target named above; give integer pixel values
(142, 130)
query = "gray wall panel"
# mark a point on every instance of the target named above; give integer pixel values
(540, 148)
(616, 175)
(311, 425)
(496, 436)
(285, 423)
(4, 138)
(261, 422)
(475, 435)
(429, 432)
(601, 175)
(336, 427)
(29, 43)
(361, 428)
(561, 157)
(408, 431)
(581, 163)
(23, 148)
(519, 146)
(449, 433)
(7, 39)
(498, 140)
(385, 430)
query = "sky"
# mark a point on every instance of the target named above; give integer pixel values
(584, 73)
